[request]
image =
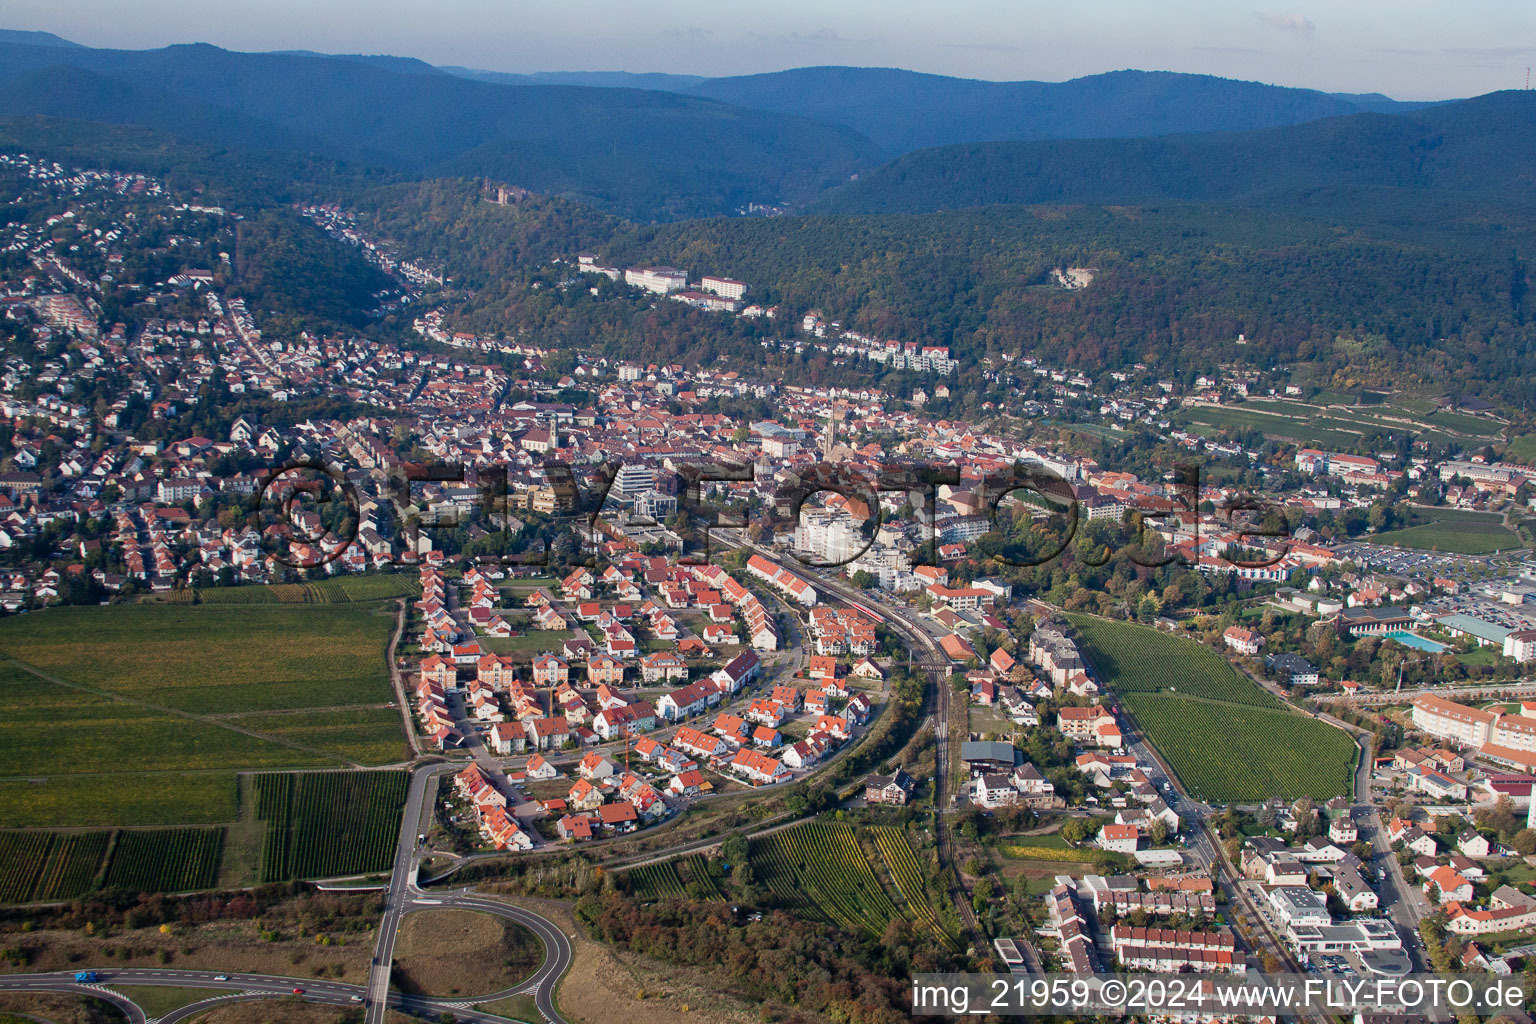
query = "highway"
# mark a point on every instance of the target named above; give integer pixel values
(224, 988)
(403, 896)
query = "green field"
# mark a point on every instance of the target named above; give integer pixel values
(367, 735)
(127, 798)
(822, 872)
(1454, 530)
(1522, 449)
(1227, 739)
(141, 714)
(535, 642)
(1343, 429)
(325, 824)
(210, 660)
(340, 590)
(1138, 659)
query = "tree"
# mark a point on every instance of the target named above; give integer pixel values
(1524, 842)
(1078, 830)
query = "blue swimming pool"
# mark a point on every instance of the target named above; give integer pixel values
(1415, 641)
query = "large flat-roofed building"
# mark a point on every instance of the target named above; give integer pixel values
(1297, 905)
(1366, 621)
(1445, 719)
(1361, 935)
(660, 280)
(723, 286)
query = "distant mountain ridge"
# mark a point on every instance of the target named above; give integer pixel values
(905, 110)
(23, 38)
(643, 153)
(1472, 147)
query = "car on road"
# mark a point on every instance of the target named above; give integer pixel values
(298, 991)
(221, 977)
(357, 999)
(86, 976)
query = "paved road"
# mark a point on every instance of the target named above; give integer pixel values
(1448, 692)
(244, 987)
(402, 886)
(928, 657)
(404, 896)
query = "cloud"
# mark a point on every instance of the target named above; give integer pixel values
(820, 36)
(999, 47)
(1287, 22)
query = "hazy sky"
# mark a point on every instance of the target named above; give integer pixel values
(1411, 49)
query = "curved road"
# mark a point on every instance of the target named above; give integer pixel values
(404, 896)
(240, 987)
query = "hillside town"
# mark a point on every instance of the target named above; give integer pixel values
(632, 594)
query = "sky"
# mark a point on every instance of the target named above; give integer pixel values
(1408, 49)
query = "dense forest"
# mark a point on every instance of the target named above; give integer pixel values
(1414, 294)
(1176, 285)
(1468, 147)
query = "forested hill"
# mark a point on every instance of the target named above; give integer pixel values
(1417, 293)
(905, 110)
(1175, 286)
(643, 153)
(1475, 147)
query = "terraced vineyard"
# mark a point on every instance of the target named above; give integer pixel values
(36, 866)
(166, 860)
(675, 879)
(325, 824)
(656, 881)
(21, 861)
(1344, 428)
(1226, 738)
(910, 880)
(820, 872)
(696, 872)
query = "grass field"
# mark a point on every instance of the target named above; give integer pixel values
(1227, 739)
(142, 714)
(367, 735)
(1332, 427)
(159, 1000)
(210, 660)
(531, 643)
(463, 952)
(1454, 530)
(340, 590)
(1522, 449)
